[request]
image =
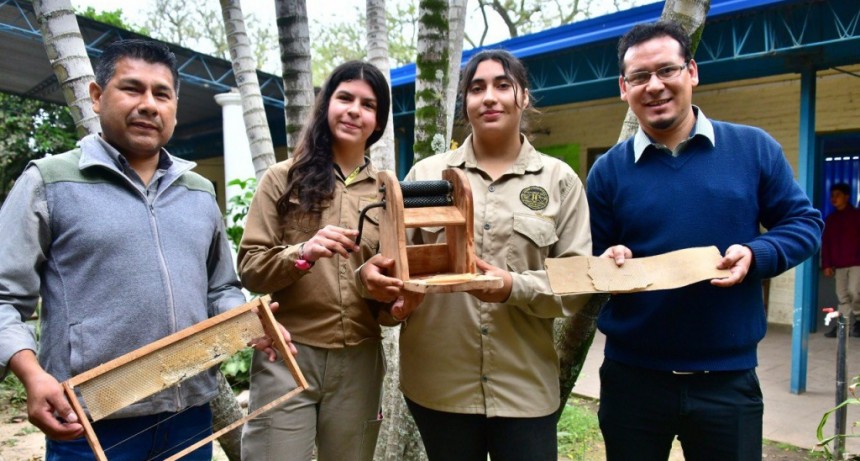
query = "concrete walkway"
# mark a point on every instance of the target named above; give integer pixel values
(788, 418)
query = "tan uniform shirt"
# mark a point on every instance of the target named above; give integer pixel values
(462, 355)
(321, 307)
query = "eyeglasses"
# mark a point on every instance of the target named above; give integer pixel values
(663, 73)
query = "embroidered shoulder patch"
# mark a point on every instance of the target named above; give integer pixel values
(534, 197)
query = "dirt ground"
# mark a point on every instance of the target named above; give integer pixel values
(20, 441)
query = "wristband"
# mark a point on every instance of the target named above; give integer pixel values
(303, 264)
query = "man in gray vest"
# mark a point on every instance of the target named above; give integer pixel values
(125, 245)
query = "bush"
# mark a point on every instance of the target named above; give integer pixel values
(237, 369)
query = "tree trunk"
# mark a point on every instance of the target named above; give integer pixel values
(68, 55)
(294, 39)
(225, 410)
(457, 31)
(398, 438)
(245, 70)
(382, 153)
(431, 78)
(573, 335)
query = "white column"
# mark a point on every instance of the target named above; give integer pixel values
(237, 149)
(237, 152)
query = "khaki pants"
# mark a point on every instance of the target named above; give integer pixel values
(339, 412)
(848, 292)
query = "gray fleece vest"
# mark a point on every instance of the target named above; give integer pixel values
(122, 271)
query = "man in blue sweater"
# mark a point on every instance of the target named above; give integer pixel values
(682, 362)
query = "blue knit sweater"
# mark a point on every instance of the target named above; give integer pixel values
(708, 195)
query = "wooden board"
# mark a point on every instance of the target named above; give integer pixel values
(392, 229)
(432, 216)
(591, 274)
(450, 283)
(428, 258)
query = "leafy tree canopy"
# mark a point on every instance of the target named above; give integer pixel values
(521, 17)
(195, 25)
(30, 129)
(347, 39)
(111, 17)
(199, 25)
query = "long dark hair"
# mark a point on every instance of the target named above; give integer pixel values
(514, 70)
(310, 177)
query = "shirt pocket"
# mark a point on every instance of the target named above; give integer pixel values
(530, 242)
(300, 226)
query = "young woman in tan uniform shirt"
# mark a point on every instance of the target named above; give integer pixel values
(478, 369)
(299, 245)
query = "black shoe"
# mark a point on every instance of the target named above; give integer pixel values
(855, 330)
(831, 333)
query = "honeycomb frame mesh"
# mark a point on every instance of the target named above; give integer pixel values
(126, 384)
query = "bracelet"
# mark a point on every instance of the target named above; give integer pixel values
(303, 264)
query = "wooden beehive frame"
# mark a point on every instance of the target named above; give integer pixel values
(198, 348)
(436, 267)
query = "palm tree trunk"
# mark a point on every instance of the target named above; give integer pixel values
(382, 153)
(573, 335)
(294, 40)
(245, 70)
(225, 410)
(68, 55)
(431, 78)
(457, 31)
(398, 436)
(399, 439)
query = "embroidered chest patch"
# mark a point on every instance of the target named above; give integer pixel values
(534, 197)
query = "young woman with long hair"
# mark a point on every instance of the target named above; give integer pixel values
(299, 245)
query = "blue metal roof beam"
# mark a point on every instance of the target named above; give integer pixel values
(576, 62)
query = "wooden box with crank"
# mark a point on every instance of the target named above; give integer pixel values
(437, 267)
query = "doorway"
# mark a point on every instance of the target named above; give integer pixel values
(840, 163)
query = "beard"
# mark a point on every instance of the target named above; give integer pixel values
(663, 123)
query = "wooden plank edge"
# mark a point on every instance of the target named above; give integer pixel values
(267, 318)
(89, 433)
(476, 283)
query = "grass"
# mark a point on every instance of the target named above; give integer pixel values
(785, 448)
(13, 392)
(578, 429)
